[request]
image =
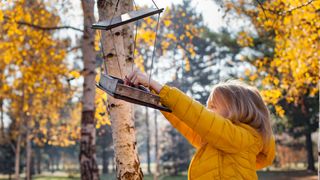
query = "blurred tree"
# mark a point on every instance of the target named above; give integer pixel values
(156, 146)
(191, 54)
(32, 60)
(176, 152)
(104, 146)
(6, 160)
(88, 163)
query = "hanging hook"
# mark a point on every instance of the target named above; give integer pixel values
(155, 4)
(154, 49)
(135, 37)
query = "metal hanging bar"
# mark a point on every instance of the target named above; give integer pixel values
(154, 49)
(135, 37)
(126, 18)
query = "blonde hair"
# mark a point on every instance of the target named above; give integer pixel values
(242, 103)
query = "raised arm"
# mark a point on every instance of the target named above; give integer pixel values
(211, 127)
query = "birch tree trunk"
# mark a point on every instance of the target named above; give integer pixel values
(28, 155)
(39, 158)
(88, 163)
(18, 143)
(119, 58)
(17, 158)
(156, 146)
(1, 120)
(148, 140)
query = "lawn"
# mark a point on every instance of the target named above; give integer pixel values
(276, 175)
(108, 177)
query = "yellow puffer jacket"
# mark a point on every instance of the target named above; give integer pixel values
(224, 150)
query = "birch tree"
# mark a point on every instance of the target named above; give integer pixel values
(88, 164)
(118, 47)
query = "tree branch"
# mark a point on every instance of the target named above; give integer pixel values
(263, 10)
(283, 13)
(45, 28)
(298, 7)
(73, 48)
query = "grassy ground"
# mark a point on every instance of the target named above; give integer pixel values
(109, 177)
(288, 175)
(276, 175)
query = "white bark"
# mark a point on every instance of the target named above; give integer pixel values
(88, 162)
(17, 158)
(119, 62)
(157, 157)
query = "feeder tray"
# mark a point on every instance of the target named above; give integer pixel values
(126, 18)
(116, 88)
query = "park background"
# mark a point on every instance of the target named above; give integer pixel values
(44, 79)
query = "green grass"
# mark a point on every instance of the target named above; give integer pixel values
(263, 175)
(104, 177)
(148, 177)
(54, 178)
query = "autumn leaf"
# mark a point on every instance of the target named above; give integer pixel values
(74, 74)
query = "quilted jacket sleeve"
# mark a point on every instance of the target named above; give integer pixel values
(211, 127)
(193, 138)
(267, 155)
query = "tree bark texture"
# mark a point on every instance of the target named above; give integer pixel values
(309, 147)
(17, 158)
(156, 146)
(18, 144)
(28, 155)
(119, 58)
(39, 158)
(1, 120)
(88, 162)
(148, 140)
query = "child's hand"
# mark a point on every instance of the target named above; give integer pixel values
(139, 78)
(136, 78)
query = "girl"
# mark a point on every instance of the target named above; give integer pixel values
(232, 135)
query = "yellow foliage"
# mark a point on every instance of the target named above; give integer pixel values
(279, 110)
(139, 63)
(165, 44)
(167, 23)
(39, 74)
(293, 72)
(187, 65)
(247, 72)
(1, 15)
(75, 74)
(97, 41)
(182, 37)
(101, 113)
(171, 36)
(244, 39)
